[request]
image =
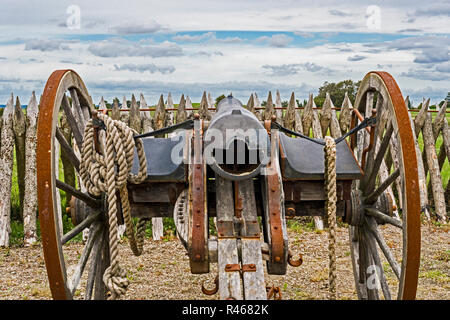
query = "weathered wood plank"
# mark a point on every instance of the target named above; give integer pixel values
(438, 122)
(317, 133)
(419, 120)
(229, 282)
(278, 104)
(289, 120)
(115, 111)
(181, 110)
(257, 104)
(146, 116)
(325, 114)
(170, 114)
(19, 127)
(30, 198)
(254, 284)
(203, 110)
(135, 116)
(189, 112)
(124, 115)
(6, 168)
(433, 166)
(269, 111)
(308, 114)
(345, 114)
(421, 174)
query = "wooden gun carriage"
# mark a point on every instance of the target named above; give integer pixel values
(251, 176)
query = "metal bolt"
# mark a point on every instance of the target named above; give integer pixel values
(277, 259)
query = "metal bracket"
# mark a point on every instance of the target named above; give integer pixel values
(237, 267)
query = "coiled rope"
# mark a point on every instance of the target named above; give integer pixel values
(108, 172)
(330, 207)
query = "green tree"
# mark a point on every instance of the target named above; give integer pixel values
(337, 92)
(219, 98)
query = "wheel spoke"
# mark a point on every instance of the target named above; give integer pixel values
(67, 149)
(79, 227)
(76, 131)
(384, 217)
(95, 262)
(77, 107)
(382, 187)
(369, 183)
(92, 202)
(100, 289)
(94, 233)
(383, 246)
(376, 259)
(362, 260)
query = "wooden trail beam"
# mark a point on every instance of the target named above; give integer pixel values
(19, 125)
(227, 251)
(6, 168)
(30, 197)
(254, 284)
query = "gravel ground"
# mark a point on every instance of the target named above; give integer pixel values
(162, 272)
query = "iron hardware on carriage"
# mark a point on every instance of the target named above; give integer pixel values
(251, 176)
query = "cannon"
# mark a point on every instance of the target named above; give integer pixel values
(249, 175)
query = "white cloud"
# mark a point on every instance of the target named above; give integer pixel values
(119, 47)
(152, 68)
(46, 45)
(277, 40)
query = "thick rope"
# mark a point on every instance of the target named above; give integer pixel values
(330, 207)
(108, 173)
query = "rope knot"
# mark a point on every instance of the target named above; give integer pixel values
(116, 281)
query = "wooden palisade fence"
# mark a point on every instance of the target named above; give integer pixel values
(18, 132)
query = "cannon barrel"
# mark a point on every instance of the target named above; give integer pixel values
(236, 144)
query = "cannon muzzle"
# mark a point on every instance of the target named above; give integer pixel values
(236, 144)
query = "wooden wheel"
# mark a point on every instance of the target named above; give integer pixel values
(385, 202)
(59, 121)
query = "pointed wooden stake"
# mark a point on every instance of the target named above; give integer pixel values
(307, 116)
(181, 111)
(204, 112)
(345, 116)
(30, 198)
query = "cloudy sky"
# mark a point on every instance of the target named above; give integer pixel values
(239, 46)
